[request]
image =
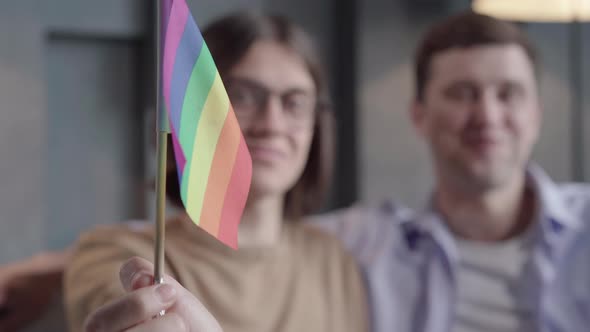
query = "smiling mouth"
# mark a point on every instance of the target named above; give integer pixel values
(483, 146)
(483, 142)
(266, 154)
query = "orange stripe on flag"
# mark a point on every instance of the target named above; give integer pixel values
(220, 174)
(236, 195)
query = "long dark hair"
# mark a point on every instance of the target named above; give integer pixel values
(229, 39)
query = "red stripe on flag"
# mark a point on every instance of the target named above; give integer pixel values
(235, 197)
(220, 174)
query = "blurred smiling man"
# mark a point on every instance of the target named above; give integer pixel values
(500, 247)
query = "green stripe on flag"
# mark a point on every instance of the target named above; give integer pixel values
(197, 91)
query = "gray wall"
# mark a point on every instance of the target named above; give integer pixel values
(34, 129)
(585, 59)
(393, 161)
(21, 132)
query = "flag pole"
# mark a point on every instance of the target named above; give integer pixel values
(162, 134)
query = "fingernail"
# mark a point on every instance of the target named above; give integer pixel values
(127, 272)
(141, 280)
(165, 293)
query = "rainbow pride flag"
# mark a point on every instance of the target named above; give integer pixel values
(214, 165)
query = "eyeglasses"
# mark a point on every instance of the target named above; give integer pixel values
(249, 100)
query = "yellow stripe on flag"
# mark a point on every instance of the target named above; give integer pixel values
(210, 126)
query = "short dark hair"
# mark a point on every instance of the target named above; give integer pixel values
(229, 39)
(467, 29)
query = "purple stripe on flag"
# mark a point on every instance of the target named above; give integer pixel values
(178, 155)
(165, 7)
(174, 31)
(186, 58)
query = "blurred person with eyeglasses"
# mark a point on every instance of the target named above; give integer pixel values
(286, 275)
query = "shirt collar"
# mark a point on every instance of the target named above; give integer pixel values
(554, 210)
(554, 214)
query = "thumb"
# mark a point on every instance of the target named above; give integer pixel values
(136, 273)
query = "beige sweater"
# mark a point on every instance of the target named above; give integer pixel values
(306, 283)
